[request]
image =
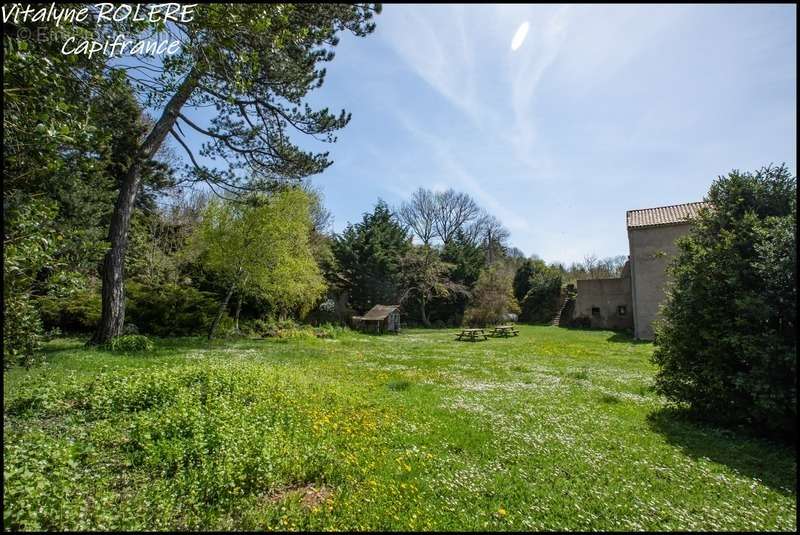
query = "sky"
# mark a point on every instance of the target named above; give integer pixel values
(599, 110)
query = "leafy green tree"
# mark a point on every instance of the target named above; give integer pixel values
(45, 102)
(69, 127)
(522, 278)
(425, 276)
(542, 300)
(369, 257)
(254, 64)
(29, 242)
(468, 259)
(261, 247)
(492, 297)
(537, 288)
(727, 344)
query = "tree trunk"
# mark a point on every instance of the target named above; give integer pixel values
(425, 320)
(113, 309)
(222, 308)
(238, 311)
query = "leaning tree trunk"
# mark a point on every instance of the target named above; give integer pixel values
(238, 311)
(239, 303)
(425, 320)
(222, 307)
(113, 309)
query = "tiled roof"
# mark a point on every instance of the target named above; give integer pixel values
(380, 312)
(664, 215)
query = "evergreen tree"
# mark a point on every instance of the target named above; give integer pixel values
(522, 279)
(369, 254)
(727, 344)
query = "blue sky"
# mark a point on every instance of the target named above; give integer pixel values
(602, 109)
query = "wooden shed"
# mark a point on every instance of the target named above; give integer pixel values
(379, 319)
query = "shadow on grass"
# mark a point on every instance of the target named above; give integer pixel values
(60, 345)
(622, 337)
(625, 338)
(773, 463)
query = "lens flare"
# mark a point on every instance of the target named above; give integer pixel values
(519, 37)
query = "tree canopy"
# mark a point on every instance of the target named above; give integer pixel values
(727, 344)
(369, 255)
(261, 246)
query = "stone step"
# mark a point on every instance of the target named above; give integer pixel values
(557, 318)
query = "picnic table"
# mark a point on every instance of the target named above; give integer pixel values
(471, 335)
(504, 330)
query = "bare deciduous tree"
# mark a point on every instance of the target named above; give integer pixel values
(419, 214)
(454, 210)
(493, 237)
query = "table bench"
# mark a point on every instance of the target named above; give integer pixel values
(504, 330)
(472, 335)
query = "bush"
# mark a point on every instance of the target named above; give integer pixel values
(130, 342)
(543, 298)
(75, 312)
(270, 328)
(493, 297)
(727, 343)
(171, 309)
(329, 331)
(282, 328)
(289, 328)
(28, 247)
(22, 332)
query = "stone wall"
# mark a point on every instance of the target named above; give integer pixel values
(651, 250)
(605, 302)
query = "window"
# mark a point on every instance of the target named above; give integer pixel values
(596, 311)
(622, 310)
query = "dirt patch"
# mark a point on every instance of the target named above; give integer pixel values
(310, 495)
(313, 497)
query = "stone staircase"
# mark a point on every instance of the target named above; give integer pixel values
(557, 318)
(567, 302)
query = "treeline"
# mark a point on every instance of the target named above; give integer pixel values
(112, 224)
(84, 169)
(448, 261)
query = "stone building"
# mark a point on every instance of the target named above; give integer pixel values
(606, 303)
(632, 301)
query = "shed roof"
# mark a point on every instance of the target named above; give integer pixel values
(664, 215)
(379, 312)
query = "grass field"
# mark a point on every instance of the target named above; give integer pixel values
(555, 429)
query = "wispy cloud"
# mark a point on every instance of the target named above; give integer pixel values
(434, 44)
(534, 58)
(456, 175)
(600, 109)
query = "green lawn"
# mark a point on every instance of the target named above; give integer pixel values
(555, 429)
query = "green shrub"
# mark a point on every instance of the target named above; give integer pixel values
(29, 246)
(75, 312)
(329, 331)
(171, 309)
(22, 331)
(290, 329)
(727, 345)
(544, 297)
(130, 342)
(492, 297)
